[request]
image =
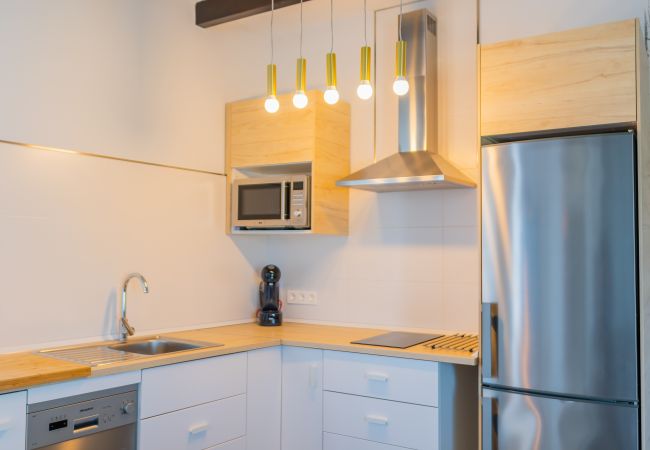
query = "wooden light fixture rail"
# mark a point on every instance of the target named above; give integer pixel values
(214, 12)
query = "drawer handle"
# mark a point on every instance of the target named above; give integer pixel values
(377, 420)
(376, 376)
(198, 429)
(5, 425)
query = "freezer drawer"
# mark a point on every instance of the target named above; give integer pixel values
(514, 421)
(559, 266)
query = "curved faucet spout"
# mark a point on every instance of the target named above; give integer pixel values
(127, 329)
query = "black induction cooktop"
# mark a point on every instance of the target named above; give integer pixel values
(397, 339)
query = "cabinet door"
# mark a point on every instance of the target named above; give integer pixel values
(302, 399)
(13, 410)
(338, 442)
(196, 428)
(576, 78)
(176, 386)
(264, 399)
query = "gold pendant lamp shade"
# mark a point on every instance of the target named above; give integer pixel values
(271, 103)
(364, 90)
(401, 84)
(331, 95)
(300, 99)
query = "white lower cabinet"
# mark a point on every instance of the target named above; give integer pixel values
(338, 442)
(302, 399)
(264, 398)
(380, 403)
(177, 386)
(196, 428)
(237, 444)
(385, 421)
(13, 420)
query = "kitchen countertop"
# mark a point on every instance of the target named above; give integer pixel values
(23, 370)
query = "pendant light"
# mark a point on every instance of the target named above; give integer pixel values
(300, 99)
(271, 104)
(331, 95)
(364, 91)
(401, 84)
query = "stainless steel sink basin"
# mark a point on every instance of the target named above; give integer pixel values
(160, 346)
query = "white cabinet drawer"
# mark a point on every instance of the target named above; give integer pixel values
(385, 421)
(177, 386)
(195, 428)
(338, 442)
(13, 416)
(400, 379)
(237, 444)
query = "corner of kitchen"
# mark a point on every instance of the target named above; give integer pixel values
(325, 225)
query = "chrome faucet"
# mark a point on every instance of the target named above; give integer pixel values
(127, 329)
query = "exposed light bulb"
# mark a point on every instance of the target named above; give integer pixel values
(271, 104)
(300, 100)
(331, 96)
(401, 86)
(364, 91)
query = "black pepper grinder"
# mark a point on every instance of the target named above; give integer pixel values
(270, 314)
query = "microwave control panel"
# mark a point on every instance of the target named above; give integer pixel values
(299, 197)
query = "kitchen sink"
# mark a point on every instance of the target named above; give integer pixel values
(160, 346)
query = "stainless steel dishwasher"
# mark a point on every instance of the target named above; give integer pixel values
(104, 420)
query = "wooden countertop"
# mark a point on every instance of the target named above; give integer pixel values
(23, 370)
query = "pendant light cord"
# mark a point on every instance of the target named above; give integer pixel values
(400, 20)
(332, 26)
(365, 21)
(272, 45)
(300, 28)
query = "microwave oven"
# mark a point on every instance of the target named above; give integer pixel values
(280, 202)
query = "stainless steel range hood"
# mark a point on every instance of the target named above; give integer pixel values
(417, 166)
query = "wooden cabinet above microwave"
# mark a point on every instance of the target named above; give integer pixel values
(314, 141)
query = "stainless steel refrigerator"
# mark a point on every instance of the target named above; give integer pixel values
(559, 327)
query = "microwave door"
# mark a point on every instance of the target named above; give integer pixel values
(262, 205)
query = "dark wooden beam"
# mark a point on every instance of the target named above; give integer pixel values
(214, 12)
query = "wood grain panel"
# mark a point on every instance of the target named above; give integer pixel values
(23, 370)
(318, 134)
(578, 78)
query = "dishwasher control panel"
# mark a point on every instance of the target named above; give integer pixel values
(72, 418)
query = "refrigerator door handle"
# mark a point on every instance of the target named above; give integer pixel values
(489, 346)
(490, 433)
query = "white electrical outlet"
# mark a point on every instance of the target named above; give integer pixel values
(302, 297)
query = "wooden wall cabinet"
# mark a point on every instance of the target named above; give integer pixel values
(317, 136)
(578, 78)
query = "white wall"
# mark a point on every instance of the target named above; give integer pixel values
(126, 78)
(512, 19)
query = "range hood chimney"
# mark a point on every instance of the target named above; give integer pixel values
(417, 166)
